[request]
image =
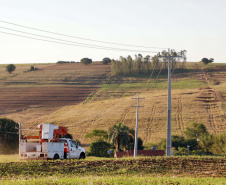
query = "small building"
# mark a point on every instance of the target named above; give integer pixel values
(130, 153)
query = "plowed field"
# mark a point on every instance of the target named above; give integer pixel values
(26, 96)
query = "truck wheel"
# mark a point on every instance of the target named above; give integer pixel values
(82, 156)
(56, 156)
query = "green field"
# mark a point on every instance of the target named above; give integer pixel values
(180, 84)
(111, 180)
(143, 170)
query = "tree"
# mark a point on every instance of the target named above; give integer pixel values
(195, 131)
(131, 144)
(99, 149)
(86, 61)
(178, 141)
(119, 135)
(205, 142)
(10, 68)
(32, 68)
(9, 138)
(219, 144)
(106, 60)
(97, 135)
(207, 61)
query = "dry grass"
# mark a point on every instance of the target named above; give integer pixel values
(9, 158)
(186, 109)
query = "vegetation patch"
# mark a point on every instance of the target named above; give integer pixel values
(178, 166)
(160, 84)
(127, 179)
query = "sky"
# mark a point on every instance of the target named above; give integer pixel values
(197, 26)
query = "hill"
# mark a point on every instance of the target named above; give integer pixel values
(29, 95)
(198, 95)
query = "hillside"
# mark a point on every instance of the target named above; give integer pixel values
(26, 96)
(198, 95)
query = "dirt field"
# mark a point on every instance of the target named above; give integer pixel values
(27, 96)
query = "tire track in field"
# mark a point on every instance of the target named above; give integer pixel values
(147, 131)
(125, 112)
(179, 116)
(95, 118)
(207, 96)
(100, 115)
(211, 117)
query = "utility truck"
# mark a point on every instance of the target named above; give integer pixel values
(49, 145)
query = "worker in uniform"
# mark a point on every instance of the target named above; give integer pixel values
(66, 150)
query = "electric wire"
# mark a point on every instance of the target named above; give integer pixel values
(151, 75)
(171, 76)
(92, 45)
(159, 73)
(113, 49)
(87, 39)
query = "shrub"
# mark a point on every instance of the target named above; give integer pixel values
(99, 149)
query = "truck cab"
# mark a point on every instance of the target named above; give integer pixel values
(72, 150)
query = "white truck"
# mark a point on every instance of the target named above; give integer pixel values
(48, 145)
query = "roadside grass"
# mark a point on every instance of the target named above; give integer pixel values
(116, 180)
(9, 158)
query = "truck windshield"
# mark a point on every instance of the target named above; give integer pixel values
(73, 144)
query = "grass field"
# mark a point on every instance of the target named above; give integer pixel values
(148, 170)
(116, 180)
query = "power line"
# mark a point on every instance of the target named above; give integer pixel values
(115, 49)
(87, 39)
(100, 47)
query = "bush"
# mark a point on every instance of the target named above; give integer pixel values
(99, 149)
(181, 151)
(9, 138)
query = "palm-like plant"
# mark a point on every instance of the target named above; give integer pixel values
(119, 135)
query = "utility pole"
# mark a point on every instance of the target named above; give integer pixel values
(136, 132)
(169, 140)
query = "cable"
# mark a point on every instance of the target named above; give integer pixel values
(80, 37)
(116, 49)
(171, 76)
(159, 73)
(101, 47)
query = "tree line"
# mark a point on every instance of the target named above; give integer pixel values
(195, 141)
(145, 65)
